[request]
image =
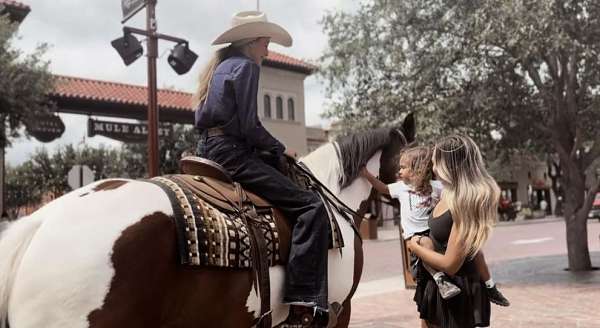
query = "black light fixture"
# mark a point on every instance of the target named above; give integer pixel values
(128, 47)
(182, 58)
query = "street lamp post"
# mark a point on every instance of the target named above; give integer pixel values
(152, 92)
(129, 48)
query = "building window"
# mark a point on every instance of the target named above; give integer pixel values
(291, 113)
(267, 111)
(279, 108)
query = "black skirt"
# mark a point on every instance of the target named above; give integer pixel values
(470, 308)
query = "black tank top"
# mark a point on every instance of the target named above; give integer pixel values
(440, 230)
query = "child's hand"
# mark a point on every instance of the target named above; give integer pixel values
(414, 240)
(364, 172)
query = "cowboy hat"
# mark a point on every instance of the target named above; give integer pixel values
(253, 24)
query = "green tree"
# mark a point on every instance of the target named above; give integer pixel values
(21, 189)
(45, 175)
(24, 84)
(183, 139)
(515, 75)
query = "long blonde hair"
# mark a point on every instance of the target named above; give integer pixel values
(209, 70)
(207, 73)
(472, 194)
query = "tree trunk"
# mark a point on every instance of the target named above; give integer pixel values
(576, 218)
(3, 210)
(577, 242)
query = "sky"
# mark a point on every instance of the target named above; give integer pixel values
(79, 33)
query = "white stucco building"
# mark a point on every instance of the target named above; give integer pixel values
(281, 105)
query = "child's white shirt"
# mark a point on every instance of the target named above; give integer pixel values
(414, 208)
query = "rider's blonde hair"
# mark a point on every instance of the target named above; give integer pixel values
(471, 193)
(209, 70)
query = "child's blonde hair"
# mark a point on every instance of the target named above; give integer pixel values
(421, 168)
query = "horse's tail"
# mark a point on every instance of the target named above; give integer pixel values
(14, 241)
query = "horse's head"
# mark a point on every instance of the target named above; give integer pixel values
(338, 164)
(385, 144)
(399, 138)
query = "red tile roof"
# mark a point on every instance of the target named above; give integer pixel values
(10, 3)
(76, 88)
(87, 90)
(278, 60)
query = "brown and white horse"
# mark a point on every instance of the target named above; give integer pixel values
(105, 255)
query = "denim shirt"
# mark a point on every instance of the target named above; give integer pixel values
(231, 104)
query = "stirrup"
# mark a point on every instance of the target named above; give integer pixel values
(262, 317)
(334, 309)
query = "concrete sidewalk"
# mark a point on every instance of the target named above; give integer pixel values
(389, 231)
(542, 293)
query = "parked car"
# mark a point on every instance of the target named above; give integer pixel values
(508, 210)
(595, 211)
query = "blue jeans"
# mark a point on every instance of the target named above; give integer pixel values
(306, 271)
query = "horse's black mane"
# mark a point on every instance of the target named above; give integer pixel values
(356, 149)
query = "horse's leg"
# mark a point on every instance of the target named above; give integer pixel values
(344, 317)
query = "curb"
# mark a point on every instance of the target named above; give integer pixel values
(530, 221)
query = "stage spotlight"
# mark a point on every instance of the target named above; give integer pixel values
(128, 47)
(182, 58)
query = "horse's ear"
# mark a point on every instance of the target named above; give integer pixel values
(409, 127)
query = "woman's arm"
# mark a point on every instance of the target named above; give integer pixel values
(246, 90)
(449, 262)
(381, 187)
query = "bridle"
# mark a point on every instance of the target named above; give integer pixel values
(331, 201)
(373, 192)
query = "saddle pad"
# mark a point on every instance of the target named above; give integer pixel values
(210, 236)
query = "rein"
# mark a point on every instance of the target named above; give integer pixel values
(346, 212)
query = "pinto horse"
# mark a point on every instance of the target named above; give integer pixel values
(105, 255)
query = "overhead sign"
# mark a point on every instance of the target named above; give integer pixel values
(131, 7)
(79, 176)
(126, 132)
(45, 128)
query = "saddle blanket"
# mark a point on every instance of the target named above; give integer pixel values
(211, 233)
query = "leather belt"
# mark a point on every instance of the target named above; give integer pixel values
(213, 132)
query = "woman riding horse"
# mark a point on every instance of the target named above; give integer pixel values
(232, 135)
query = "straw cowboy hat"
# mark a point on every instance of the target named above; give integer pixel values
(253, 24)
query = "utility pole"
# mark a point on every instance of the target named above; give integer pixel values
(257, 5)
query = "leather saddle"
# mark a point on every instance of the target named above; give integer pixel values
(194, 165)
(224, 192)
(216, 185)
(223, 189)
(219, 188)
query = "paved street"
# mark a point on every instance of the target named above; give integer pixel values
(527, 259)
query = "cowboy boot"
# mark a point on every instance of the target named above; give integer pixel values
(305, 317)
(302, 316)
